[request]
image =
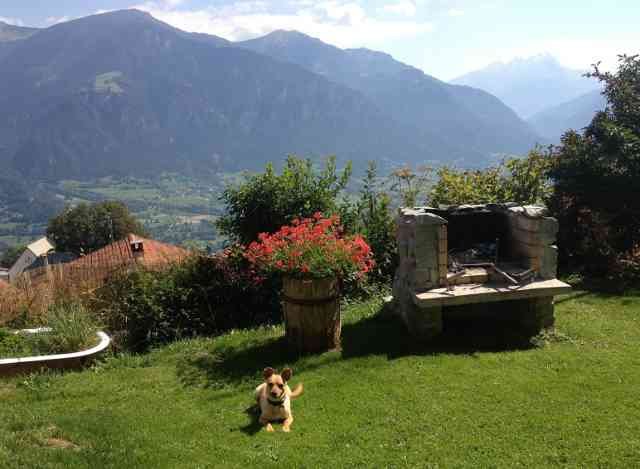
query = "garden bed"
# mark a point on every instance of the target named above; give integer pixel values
(27, 364)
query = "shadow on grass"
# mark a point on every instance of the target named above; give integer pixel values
(253, 426)
(375, 335)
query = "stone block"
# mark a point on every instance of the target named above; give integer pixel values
(528, 224)
(548, 230)
(549, 262)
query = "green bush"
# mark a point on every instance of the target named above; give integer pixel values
(372, 217)
(202, 296)
(596, 176)
(265, 202)
(73, 328)
(522, 180)
(13, 345)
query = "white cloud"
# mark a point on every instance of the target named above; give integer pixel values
(402, 8)
(13, 21)
(50, 21)
(455, 12)
(342, 23)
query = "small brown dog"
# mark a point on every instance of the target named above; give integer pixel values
(274, 398)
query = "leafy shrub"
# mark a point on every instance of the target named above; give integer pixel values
(596, 176)
(265, 202)
(373, 218)
(201, 296)
(522, 180)
(13, 345)
(73, 328)
(625, 273)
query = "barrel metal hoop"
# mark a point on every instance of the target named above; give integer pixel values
(315, 301)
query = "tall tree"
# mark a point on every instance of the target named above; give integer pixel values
(597, 173)
(86, 228)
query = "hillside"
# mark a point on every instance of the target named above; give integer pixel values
(575, 114)
(122, 93)
(461, 117)
(9, 32)
(530, 85)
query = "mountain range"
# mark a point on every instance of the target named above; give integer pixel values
(574, 114)
(123, 93)
(530, 85)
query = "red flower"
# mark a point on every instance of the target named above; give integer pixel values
(311, 247)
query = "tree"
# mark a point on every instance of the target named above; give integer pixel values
(522, 180)
(11, 255)
(596, 174)
(86, 228)
(264, 202)
(374, 220)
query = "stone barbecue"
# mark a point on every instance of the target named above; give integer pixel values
(476, 259)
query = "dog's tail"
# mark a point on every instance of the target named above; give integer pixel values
(297, 392)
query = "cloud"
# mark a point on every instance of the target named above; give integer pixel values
(341, 23)
(13, 21)
(402, 8)
(50, 21)
(455, 12)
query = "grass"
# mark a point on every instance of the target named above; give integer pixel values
(471, 399)
(108, 83)
(72, 329)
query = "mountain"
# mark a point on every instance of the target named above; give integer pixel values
(574, 114)
(457, 118)
(123, 93)
(9, 32)
(530, 85)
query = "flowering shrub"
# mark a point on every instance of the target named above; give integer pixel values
(311, 247)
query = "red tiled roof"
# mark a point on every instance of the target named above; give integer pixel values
(3, 284)
(119, 253)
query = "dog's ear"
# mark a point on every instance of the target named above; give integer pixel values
(267, 372)
(286, 374)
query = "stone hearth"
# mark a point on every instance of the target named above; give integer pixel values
(477, 255)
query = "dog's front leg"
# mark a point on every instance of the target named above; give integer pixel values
(286, 426)
(266, 424)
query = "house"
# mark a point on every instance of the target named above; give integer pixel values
(132, 250)
(31, 254)
(52, 258)
(4, 274)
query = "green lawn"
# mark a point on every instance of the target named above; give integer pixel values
(471, 400)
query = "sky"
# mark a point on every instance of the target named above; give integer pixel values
(445, 38)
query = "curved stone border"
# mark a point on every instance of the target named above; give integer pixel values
(14, 366)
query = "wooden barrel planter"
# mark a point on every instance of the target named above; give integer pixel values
(312, 314)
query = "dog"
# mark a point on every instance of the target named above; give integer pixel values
(273, 398)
